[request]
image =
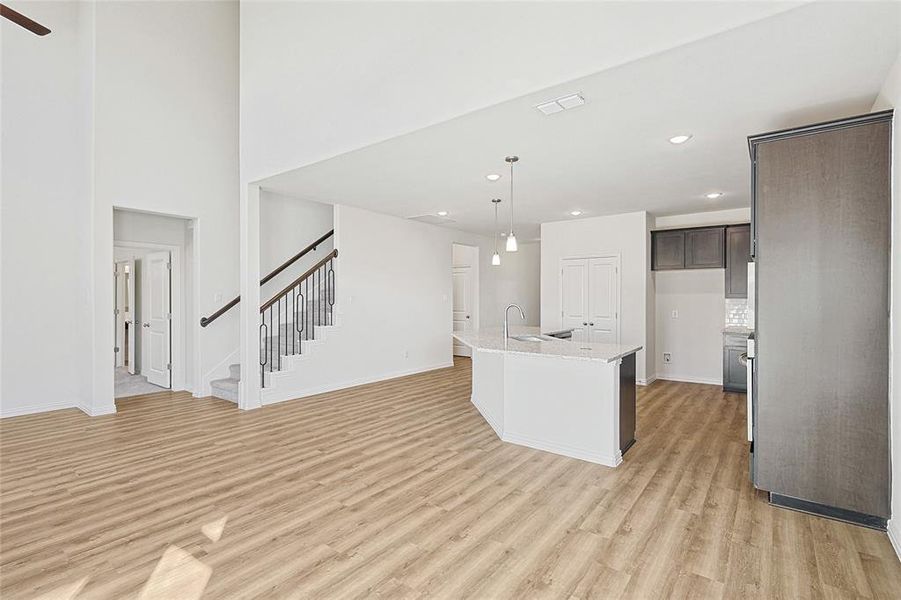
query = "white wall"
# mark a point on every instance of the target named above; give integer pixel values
(626, 235)
(695, 338)
(394, 305)
(518, 280)
(166, 141)
(287, 226)
(730, 216)
(889, 97)
(46, 205)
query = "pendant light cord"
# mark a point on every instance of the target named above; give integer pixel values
(511, 197)
(495, 226)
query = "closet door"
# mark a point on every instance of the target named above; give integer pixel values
(603, 300)
(574, 297)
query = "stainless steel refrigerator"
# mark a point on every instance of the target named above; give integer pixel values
(821, 233)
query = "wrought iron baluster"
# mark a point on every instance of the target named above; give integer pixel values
(278, 347)
(331, 291)
(264, 332)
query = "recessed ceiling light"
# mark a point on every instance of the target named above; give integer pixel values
(714, 195)
(442, 213)
(492, 177)
(680, 139)
(575, 213)
(571, 101)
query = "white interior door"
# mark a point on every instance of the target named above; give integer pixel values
(156, 311)
(574, 297)
(603, 300)
(463, 303)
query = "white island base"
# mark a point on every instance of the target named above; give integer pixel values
(578, 407)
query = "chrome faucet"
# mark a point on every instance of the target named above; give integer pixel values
(522, 315)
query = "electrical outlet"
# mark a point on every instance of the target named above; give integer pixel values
(675, 314)
(406, 354)
(667, 358)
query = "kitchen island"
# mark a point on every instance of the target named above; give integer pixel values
(570, 398)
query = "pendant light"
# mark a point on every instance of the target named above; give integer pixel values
(511, 239)
(495, 258)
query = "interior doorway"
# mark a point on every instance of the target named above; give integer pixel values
(153, 292)
(465, 277)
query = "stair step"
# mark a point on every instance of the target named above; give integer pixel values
(234, 371)
(225, 389)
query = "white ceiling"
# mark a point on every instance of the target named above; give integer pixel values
(813, 63)
(322, 78)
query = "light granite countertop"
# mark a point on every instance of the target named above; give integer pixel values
(492, 340)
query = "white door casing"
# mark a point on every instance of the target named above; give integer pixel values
(156, 312)
(463, 305)
(589, 298)
(119, 312)
(130, 302)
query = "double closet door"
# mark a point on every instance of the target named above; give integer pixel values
(590, 298)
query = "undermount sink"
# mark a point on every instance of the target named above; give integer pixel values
(533, 338)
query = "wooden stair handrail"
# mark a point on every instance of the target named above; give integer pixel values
(204, 321)
(293, 284)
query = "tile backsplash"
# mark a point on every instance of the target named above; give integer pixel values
(737, 312)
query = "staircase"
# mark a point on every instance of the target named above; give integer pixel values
(227, 389)
(292, 321)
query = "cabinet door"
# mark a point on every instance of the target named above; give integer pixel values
(668, 250)
(735, 374)
(705, 248)
(738, 253)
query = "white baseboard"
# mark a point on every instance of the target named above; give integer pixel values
(647, 381)
(488, 418)
(332, 387)
(592, 457)
(894, 535)
(33, 409)
(690, 379)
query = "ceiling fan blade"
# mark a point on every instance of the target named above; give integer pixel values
(23, 21)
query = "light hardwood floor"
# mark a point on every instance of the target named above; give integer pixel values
(399, 489)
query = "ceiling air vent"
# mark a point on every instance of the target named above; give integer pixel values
(432, 219)
(560, 104)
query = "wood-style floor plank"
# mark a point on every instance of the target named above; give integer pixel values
(400, 490)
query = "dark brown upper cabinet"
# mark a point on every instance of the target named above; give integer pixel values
(738, 253)
(695, 248)
(667, 250)
(705, 248)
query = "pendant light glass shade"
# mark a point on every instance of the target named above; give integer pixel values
(495, 258)
(511, 239)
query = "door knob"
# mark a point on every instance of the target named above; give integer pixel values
(584, 323)
(467, 316)
(145, 325)
(591, 324)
